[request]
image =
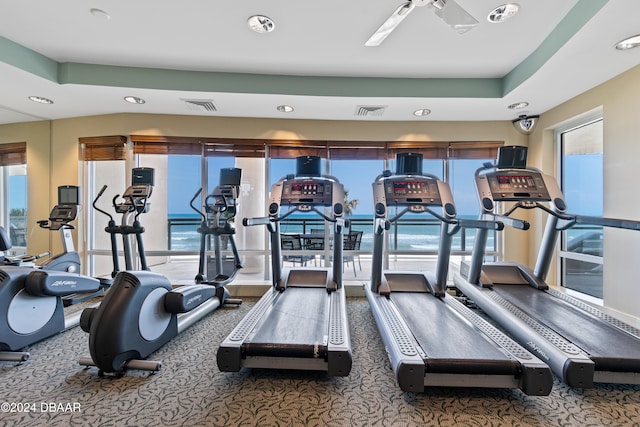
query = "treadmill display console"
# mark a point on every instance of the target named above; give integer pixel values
(307, 192)
(516, 186)
(408, 192)
(303, 189)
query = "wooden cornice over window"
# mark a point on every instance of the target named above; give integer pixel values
(187, 145)
(150, 144)
(103, 148)
(474, 149)
(13, 153)
(428, 149)
(344, 150)
(285, 149)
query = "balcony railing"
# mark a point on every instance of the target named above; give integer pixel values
(406, 235)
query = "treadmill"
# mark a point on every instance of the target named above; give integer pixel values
(580, 343)
(301, 322)
(431, 338)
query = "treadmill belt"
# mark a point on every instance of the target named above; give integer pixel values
(296, 326)
(451, 343)
(610, 348)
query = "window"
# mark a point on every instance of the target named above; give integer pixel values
(13, 203)
(15, 200)
(184, 164)
(462, 182)
(581, 172)
(111, 173)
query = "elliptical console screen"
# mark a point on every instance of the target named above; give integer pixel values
(413, 191)
(516, 185)
(307, 192)
(63, 213)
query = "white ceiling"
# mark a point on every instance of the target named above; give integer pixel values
(315, 60)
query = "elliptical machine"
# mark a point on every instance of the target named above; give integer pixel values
(218, 213)
(142, 312)
(134, 202)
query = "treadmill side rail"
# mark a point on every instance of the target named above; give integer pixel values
(536, 378)
(564, 358)
(229, 355)
(406, 362)
(339, 347)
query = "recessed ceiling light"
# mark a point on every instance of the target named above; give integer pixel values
(134, 100)
(284, 108)
(261, 24)
(41, 100)
(422, 112)
(99, 13)
(628, 43)
(518, 105)
(502, 13)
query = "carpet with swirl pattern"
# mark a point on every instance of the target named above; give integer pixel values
(52, 389)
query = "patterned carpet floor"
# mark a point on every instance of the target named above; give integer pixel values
(52, 389)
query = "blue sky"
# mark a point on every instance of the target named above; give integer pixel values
(18, 193)
(355, 175)
(584, 195)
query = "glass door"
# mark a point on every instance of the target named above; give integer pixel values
(581, 171)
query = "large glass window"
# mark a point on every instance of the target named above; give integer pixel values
(13, 195)
(462, 182)
(184, 165)
(581, 245)
(183, 181)
(14, 180)
(111, 173)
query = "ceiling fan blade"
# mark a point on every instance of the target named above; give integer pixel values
(390, 24)
(454, 15)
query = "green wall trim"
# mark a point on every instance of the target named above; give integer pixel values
(154, 78)
(577, 17)
(28, 60)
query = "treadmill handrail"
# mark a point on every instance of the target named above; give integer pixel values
(516, 223)
(625, 224)
(483, 223)
(569, 219)
(249, 221)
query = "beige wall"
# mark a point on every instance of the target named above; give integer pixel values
(619, 101)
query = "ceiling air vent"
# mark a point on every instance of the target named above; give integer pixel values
(370, 110)
(200, 104)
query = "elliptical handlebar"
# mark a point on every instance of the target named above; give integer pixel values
(104, 187)
(139, 208)
(193, 199)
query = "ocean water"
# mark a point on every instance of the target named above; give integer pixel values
(407, 236)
